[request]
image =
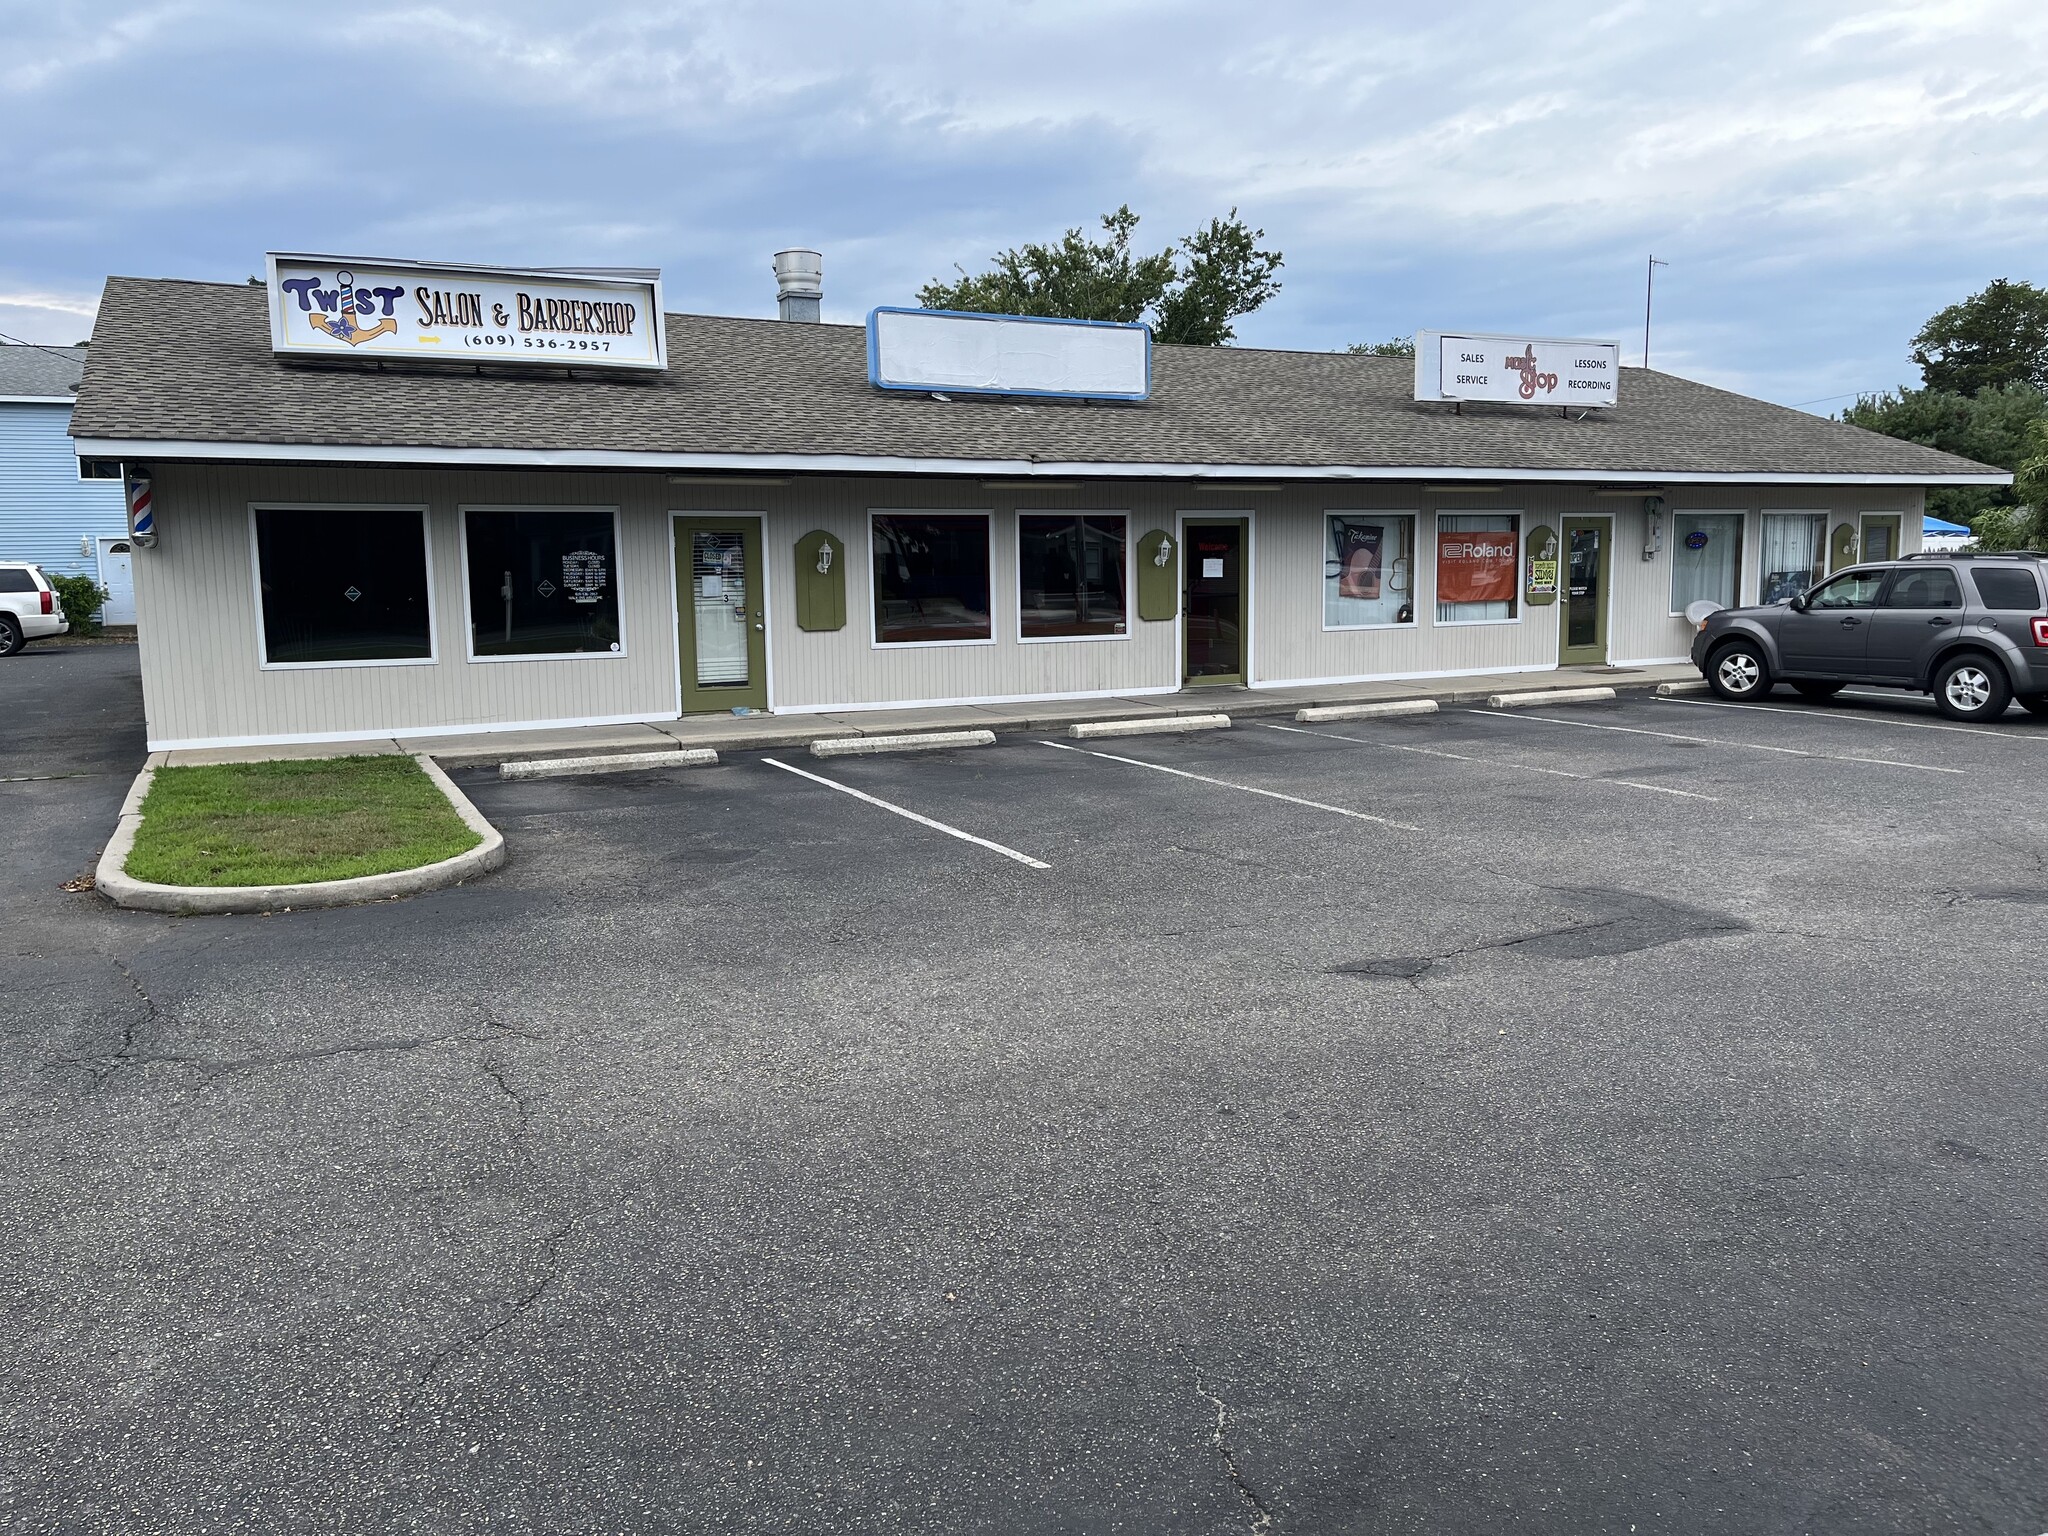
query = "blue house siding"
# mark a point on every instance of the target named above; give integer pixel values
(45, 509)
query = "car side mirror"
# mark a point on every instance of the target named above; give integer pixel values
(1798, 603)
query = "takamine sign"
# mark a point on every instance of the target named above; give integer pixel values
(1516, 370)
(336, 306)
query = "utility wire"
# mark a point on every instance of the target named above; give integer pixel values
(37, 347)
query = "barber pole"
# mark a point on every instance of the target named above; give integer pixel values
(141, 509)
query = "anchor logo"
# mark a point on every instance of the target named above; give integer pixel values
(344, 326)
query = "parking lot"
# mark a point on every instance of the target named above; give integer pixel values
(1619, 1117)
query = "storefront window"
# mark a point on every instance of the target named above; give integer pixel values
(541, 583)
(1477, 565)
(1070, 576)
(1706, 558)
(1794, 549)
(341, 585)
(931, 578)
(1368, 569)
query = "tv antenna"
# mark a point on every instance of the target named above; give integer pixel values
(1649, 288)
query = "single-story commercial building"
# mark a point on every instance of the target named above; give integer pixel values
(395, 498)
(57, 510)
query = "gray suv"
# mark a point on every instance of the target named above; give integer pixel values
(1971, 629)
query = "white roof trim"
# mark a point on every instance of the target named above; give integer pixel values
(141, 449)
(38, 399)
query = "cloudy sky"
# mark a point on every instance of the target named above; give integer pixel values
(1820, 177)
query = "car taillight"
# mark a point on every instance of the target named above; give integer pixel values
(2041, 631)
(50, 606)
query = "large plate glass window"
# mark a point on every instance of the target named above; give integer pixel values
(343, 585)
(931, 578)
(1706, 558)
(1071, 576)
(1794, 554)
(542, 582)
(1368, 569)
(1478, 567)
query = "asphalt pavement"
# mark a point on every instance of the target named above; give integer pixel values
(1596, 1118)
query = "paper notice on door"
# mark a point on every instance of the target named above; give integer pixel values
(1212, 570)
(711, 586)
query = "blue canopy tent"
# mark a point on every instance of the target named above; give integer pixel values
(1934, 525)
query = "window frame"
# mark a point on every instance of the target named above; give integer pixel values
(1741, 551)
(1848, 573)
(263, 661)
(117, 477)
(1763, 518)
(1901, 574)
(462, 512)
(1414, 516)
(875, 640)
(1520, 599)
(1975, 569)
(1017, 518)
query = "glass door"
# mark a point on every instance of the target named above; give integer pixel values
(1212, 565)
(1880, 538)
(1582, 616)
(722, 632)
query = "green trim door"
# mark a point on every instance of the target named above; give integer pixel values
(721, 628)
(1880, 537)
(1582, 606)
(1213, 561)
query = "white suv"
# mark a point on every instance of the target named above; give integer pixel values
(29, 610)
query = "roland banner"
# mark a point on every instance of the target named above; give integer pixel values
(1479, 567)
(338, 306)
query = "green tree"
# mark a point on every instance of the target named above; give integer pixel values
(1393, 346)
(1992, 426)
(1190, 294)
(1989, 340)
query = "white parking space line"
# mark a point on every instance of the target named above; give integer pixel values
(1859, 718)
(1710, 741)
(908, 815)
(1270, 794)
(1494, 762)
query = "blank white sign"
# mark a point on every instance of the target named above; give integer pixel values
(1008, 355)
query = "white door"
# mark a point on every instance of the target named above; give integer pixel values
(117, 575)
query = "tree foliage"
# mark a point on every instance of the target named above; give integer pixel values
(1992, 426)
(1393, 346)
(1988, 341)
(1189, 293)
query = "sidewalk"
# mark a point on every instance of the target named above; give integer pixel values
(741, 733)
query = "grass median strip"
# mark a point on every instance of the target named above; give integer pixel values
(293, 822)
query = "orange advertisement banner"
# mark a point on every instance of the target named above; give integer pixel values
(1477, 567)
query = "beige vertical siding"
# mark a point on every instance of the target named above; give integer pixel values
(196, 597)
(1642, 627)
(196, 601)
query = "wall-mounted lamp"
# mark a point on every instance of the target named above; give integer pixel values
(1653, 531)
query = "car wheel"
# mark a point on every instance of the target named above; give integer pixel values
(1738, 671)
(2035, 704)
(1971, 686)
(10, 636)
(1820, 693)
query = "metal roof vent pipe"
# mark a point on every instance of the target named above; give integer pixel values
(799, 284)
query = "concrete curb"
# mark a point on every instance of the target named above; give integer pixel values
(193, 900)
(613, 762)
(1673, 690)
(1549, 696)
(1088, 730)
(923, 741)
(1366, 711)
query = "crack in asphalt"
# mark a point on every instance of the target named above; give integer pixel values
(510, 1312)
(1219, 1442)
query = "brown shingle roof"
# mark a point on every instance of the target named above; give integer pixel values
(192, 361)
